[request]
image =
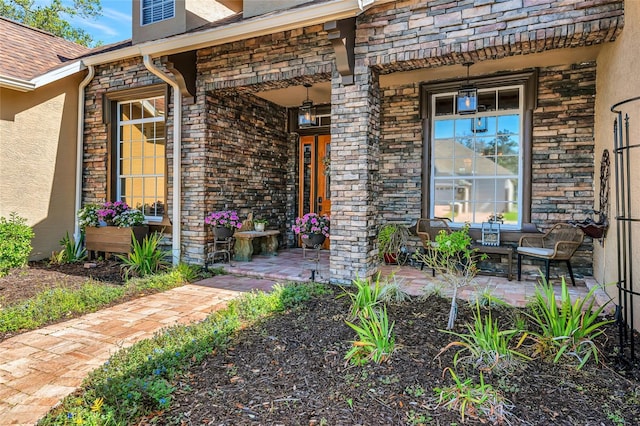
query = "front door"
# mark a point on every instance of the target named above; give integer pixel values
(314, 181)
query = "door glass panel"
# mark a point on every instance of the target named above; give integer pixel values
(306, 178)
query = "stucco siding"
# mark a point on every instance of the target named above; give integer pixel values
(38, 160)
(618, 79)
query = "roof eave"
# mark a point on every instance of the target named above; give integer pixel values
(255, 27)
(17, 84)
(22, 85)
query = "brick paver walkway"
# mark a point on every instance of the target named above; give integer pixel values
(39, 368)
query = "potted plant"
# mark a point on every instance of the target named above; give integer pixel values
(392, 241)
(259, 224)
(109, 227)
(223, 223)
(312, 228)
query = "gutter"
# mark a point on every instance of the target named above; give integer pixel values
(80, 148)
(177, 157)
(22, 85)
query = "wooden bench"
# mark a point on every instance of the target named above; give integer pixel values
(265, 242)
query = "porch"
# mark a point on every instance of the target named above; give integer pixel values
(290, 265)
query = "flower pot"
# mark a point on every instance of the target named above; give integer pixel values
(390, 258)
(111, 239)
(313, 240)
(222, 232)
(259, 227)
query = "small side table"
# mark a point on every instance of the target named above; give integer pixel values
(507, 250)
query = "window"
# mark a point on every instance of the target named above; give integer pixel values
(141, 155)
(479, 164)
(157, 10)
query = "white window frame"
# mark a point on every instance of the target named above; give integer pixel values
(158, 173)
(521, 152)
(160, 10)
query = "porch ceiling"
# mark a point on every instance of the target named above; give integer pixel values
(292, 96)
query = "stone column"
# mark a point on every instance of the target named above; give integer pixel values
(355, 130)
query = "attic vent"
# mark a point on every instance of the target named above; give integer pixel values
(157, 10)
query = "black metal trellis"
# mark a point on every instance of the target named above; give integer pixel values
(626, 155)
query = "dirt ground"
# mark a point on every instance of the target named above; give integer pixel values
(290, 370)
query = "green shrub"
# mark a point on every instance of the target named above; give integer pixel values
(146, 258)
(365, 297)
(567, 330)
(15, 243)
(485, 345)
(478, 401)
(453, 258)
(376, 340)
(72, 251)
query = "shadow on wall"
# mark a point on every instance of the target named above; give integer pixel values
(37, 172)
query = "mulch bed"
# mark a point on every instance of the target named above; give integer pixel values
(290, 370)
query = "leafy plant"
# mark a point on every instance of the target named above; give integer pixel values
(452, 257)
(364, 297)
(567, 329)
(486, 299)
(189, 273)
(72, 251)
(15, 242)
(88, 216)
(145, 258)
(375, 337)
(392, 239)
(487, 346)
(478, 401)
(312, 223)
(391, 291)
(226, 219)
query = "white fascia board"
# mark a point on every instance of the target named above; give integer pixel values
(42, 80)
(255, 27)
(59, 73)
(16, 84)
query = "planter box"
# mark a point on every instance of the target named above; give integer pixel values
(111, 239)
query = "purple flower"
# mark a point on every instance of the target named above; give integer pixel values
(312, 223)
(227, 219)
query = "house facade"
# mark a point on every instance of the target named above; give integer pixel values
(391, 136)
(388, 77)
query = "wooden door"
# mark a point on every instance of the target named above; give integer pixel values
(314, 181)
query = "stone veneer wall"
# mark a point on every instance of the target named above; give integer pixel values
(401, 36)
(249, 157)
(113, 77)
(563, 143)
